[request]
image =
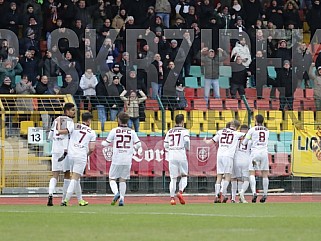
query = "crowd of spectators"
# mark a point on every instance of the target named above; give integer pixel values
(41, 63)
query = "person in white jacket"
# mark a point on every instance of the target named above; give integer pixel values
(242, 49)
(88, 83)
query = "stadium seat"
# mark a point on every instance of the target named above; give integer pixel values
(290, 118)
(195, 70)
(271, 72)
(224, 82)
(17, 79)
(231, 104)
(110, 125)
(191, 82)
(150, 116)
(273, 136)
(297, 105)
(298, 94)
(59, 81)
(266, 92)
(250, 103)
(263, 104)
(275, 104)
(225, 71)
(274, 120)
(200, 104)
(224, 93)
(24, 125)
(151, 105)
(145, 127)
(286, 136)
(309, 94)
(214, 121)
(242, 116)
(307, 116)
(309, 104)
(272, 147)
(189, 93)
(215, 104)
(318, 116)
(250, 93)
(280, 147)
(200, 92)
(280, 169)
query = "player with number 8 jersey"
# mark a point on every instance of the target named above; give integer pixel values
(259, 135)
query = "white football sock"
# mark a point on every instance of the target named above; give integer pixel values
(225, 185)
(265, 185)
(70, 189)
(245, 186)
(239, 186)
(233, 189)
(122, 189)
(64, 188)
(172, 186)
(182, 184)
(113, 186)
(217, 189)
(52, 185)
(78, 191)
(253, 183)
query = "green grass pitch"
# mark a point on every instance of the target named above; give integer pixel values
(152, 222)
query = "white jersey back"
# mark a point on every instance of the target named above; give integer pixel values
(259, 135)
(124, 139)
(79, 141)
(60, 141)
(228, 141)
(243, 151)
(175, 143)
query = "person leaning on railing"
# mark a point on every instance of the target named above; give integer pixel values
(132, 106)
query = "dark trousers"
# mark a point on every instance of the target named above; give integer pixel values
(237, 88)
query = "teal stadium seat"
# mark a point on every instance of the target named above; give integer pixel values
(224, 82)
(271, 72)
(196, 71)
(225, 71)
(191, 82)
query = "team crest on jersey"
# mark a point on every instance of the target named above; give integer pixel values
(203, 153)
(108, 153)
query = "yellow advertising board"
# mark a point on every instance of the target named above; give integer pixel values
(306, 151)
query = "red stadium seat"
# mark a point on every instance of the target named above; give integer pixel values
(224, 93)
(309, 94)
(263, 104)
(266, 93)
(298, 94)
(200, 92)
(250, 93)
(151, 105)
(281, 158)
(200, 104)
(275, 104)
(216, 104)
(297, 104)
(250, 103)
(309, 105)
(231, 104)
(189, 93)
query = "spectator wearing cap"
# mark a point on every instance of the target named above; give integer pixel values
(29, 41)
(12, 18)
(132, 103)
(115, 71)
(149, 21)
(115, 103)
(31, 13)
(291, 14)
(7, 69)
(286, 86)
(163, 10)
(315, 75)
(211, 62)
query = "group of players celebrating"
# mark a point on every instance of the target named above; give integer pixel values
(240, 154)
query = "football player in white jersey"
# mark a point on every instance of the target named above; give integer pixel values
(59, 135)
(227, 139)
(259, 135)
(176, 143)
(81, 145)
(124, 141)
(240, 175)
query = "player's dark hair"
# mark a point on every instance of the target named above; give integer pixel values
(228, 125)
(244, 127)
(123, 117)
(179, 118)
(86, 116)
(259, 119)
(236, 124)
(68, 106)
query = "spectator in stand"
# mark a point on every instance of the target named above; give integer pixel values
(69, 10)
(239, 78)
(119, 19)
(205, 10)
(149, 21)
(110, 53)
(6, 87)
(29, 41)
(50, 67)
(237, 10)
(132, 106)
(70, 66)
(211, 62)
(88, 84)
(12, 18)
(253, 11)
(4, 50)
(163, 10)
(177, 54)
(34, 26)
(124, 64)
(224, 18)
(31, 13)
(138, 10)
(79, 29)
(102, 93)
(71, 86)
(4, 7)
(215, 27)
(8, 70)
(291, 14)
(157, 83)
(282, 51)
(24, 87)
(242, 50)
(101, 14)
(116, 7)
(116, 104)
(159, 24)
(286, 85)
(313, 17)
(104, 32)
(258, 71)
(315, 75)
(129, 24)
(85, 13)
(274, 13)
(189, 17)
(302, 59)
(115, 71)
(30, 67)
(240, 28)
